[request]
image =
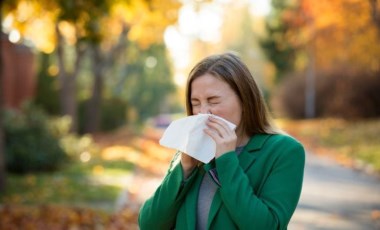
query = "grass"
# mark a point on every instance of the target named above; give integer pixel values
(83, 194)
(354, 144)
(94, 184)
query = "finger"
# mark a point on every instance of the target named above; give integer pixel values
(220, 126)
(221, 122)
(215, 129)
(223, 145)
(213, 134)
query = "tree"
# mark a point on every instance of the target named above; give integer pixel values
(277, 45)
(148, 82)
(375, 13)
(141, 21)
(325, 37)
(48, 24)
(344, 35)
(76, 27)
(46, 89)
(2, 147)
(248, 28)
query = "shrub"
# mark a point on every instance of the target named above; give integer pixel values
(72, 144)
(112, 115)
(289, 100)
(29, 145)
(355, 95)
(340, 94)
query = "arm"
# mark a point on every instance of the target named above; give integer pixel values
(160, 211)
(272, 206)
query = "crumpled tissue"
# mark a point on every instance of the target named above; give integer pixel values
(187, 135)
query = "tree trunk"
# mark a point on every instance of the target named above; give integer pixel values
(93, 105)
(2, 136)
(101, 61)
(67, 80)
(67, 98)
(310, 86)
(375, 14)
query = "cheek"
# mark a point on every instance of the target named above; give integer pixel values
(233, 114)
(235, 118)
(196, 111)
(217, 110)
(226, 112)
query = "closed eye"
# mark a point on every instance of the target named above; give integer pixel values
(213, 102)
(194, 103)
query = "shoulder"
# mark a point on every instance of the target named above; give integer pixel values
(280, 145)
(284, 139)
(287, 148)
(265, 140)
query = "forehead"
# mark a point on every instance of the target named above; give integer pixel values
(209, 85)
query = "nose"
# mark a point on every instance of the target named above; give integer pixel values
(205, 109)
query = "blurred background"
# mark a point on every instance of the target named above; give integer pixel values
(87, 87)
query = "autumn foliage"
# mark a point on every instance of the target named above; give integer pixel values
(53, 217)
(335, 42)
(341, 34)
(50, 217)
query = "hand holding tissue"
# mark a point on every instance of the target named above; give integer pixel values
(187, 135)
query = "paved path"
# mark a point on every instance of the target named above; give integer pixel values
(337, 198)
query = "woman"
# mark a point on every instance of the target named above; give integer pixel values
(255, 179)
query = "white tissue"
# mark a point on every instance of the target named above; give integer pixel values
(187, 135)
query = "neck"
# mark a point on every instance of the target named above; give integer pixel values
(242, 140)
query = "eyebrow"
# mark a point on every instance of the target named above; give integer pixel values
(209, 98)
(213, 97)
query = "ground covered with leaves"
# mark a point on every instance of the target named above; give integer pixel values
(105, 189)
(354, 144)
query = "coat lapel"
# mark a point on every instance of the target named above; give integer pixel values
(249, 155)
(246, 159)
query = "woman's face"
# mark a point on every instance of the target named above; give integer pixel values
(212, 95)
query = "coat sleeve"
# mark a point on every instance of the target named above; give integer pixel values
(160, 211)
(274, 205)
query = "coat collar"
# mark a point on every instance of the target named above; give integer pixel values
(248, 156)
(256, 142)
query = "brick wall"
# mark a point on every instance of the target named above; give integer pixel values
(19, 77)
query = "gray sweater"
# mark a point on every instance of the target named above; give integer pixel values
(206, 194)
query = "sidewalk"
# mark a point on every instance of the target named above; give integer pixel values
(151, 165)
(335, 197)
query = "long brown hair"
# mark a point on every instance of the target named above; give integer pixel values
(229, 68)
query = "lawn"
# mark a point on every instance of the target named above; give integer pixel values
(80, 196)
(352, 143)
(94, 184)
(84, 194)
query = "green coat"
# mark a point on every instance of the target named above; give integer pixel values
(259, 189)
